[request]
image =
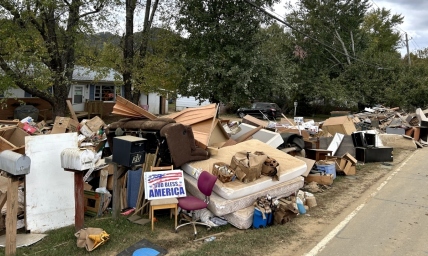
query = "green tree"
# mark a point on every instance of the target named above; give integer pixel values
(379, 26)
(39, 42)
(328, 38)
(221, 49)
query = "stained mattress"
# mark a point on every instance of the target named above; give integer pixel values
(289, 168)
(220, 206)
(242, 219)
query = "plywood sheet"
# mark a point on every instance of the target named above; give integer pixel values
(49, 189)
(125, 107)
(191, 116)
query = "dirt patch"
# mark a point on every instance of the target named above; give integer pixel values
(338, 200)
(301, 234)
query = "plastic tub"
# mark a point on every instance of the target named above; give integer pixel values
(258, 221)
(328, 169)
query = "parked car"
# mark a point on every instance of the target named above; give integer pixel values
(261, 109)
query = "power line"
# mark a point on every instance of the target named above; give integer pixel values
(414, 44)
(379, 8)
(308, 36)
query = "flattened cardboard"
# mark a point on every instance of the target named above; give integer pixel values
(95, 123)
(320, 179)
(13, 138)
(309, 164)
(61, 125)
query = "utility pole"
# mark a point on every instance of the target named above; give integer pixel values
(407, 46)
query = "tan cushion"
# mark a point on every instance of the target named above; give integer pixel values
(164, 201)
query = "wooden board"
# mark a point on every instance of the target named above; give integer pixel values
(127, 108)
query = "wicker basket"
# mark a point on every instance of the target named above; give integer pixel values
(223, 172)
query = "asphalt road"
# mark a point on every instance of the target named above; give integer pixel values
(393, 221)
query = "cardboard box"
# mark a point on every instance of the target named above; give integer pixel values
(349, 168)
(86, 186)
(13, 138)
(110, 168)
(344, 164)
(93, 203)
(62, 124)
(110, 182)
(92, 126)
(340, 124)
(309, 164)
(320, 179)
(350, 158)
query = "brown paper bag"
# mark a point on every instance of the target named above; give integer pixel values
(247, 165)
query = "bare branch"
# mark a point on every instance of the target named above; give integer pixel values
(343, 46)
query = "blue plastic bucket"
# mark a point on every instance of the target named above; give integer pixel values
(327, 169)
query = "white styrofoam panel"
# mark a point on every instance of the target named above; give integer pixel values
(273, 139)
(335, 143)
(49, 202)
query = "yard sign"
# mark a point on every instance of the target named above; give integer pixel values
(164, 184)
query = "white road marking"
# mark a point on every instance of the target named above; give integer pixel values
(321, 245)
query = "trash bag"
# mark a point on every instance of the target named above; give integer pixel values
(292, 140)
(24, 111)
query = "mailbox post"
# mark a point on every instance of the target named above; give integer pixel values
(77, 161)
(16, 165)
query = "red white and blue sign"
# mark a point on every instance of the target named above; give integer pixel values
(164, 184)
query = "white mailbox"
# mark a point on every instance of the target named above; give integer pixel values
(14, 163)
(77, 159)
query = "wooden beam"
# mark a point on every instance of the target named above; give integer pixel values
(117, 174)
(79, 214)
(70, 108)
(11, 212)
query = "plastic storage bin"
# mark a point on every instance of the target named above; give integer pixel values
(328, 169)
(258, 221)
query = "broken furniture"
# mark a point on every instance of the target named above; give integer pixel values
(271, 138)
(317, 154)
(367, 149)
(206, 182)
(163, 203)
(92, 107)
(173, 143)
(15, 165)
(374, 154)
(118, 174)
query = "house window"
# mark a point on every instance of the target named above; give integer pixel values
(105, 92)
(78, 94)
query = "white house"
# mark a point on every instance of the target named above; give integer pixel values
(184, 102)
(88, 85)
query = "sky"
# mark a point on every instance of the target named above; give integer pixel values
(415, 20)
